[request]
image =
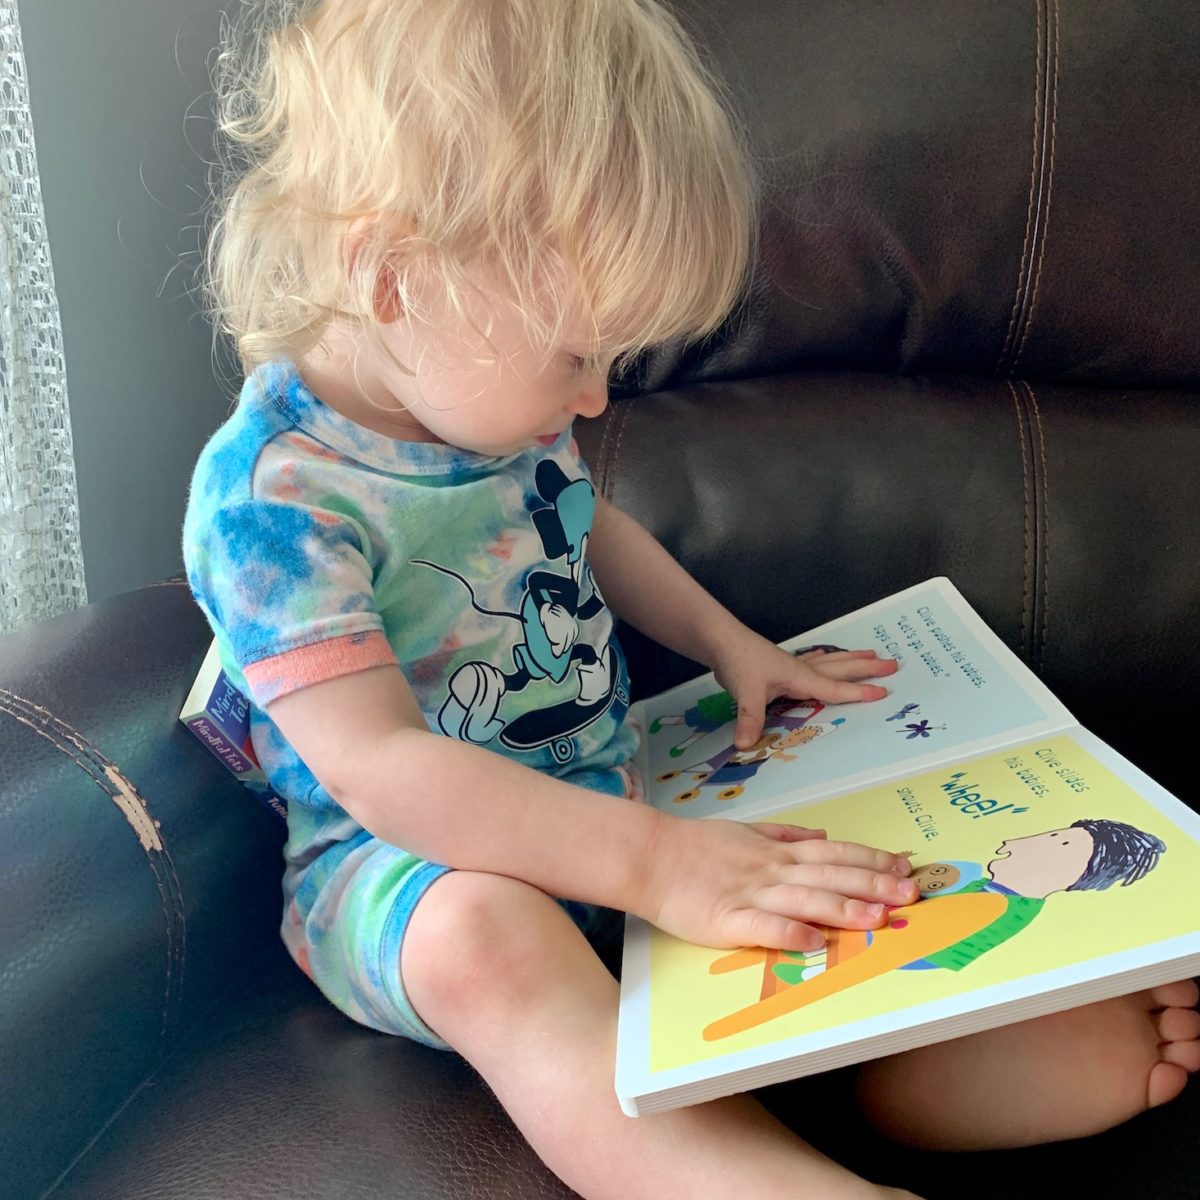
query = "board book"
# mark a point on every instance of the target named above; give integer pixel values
(218, 714)
(1053, 872)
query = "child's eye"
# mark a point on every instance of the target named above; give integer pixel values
(577, 363)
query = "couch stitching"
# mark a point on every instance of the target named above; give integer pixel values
(1037, 279)
(602, 464)
(1025, 485)
(136, 816)
(1044, 508)
(95, 1139)
(1037, 121)
(109, 778)
(620, 438)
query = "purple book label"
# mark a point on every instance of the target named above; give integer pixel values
(229, 710)
(220, 745)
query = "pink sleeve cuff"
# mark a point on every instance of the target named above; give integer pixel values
(270, 678)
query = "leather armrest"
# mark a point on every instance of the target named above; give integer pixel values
(137, 877)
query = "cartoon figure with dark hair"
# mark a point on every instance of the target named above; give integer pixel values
(710, 712)
(551, 611)
(955, 929)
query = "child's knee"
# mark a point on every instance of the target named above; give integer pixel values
(477, 938)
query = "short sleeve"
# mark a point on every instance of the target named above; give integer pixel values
(289, 591)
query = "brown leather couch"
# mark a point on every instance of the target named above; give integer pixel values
(972, 348)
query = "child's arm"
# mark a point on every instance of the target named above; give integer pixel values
(645, 586)
(714, 882)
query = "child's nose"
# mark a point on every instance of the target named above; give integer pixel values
(592, 398)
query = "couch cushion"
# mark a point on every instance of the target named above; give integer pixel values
(133, 868)
(1002, 188)
(286, 1098)
(1067, 516)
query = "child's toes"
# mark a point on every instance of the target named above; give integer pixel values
(1165, 1083)
(1183, 994)
(1181, 1054)
(1178, 1025)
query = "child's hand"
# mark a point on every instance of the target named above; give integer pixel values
(724, 884)
(756, 671)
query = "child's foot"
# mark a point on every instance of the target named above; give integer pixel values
(1067, 1075)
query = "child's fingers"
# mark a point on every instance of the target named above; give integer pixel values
(751, 716)
(838, 691)
(846, 883)
(821, 907)
(824, 656)
(787, 833)
(835, 681)
(756, 927)
(856, 668)
(851, 854)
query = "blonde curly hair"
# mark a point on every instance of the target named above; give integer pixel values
(571, 146)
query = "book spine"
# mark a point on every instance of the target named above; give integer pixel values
(276, 804)
(222, 748)
(218, 715)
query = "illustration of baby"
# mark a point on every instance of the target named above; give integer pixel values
(730, 769)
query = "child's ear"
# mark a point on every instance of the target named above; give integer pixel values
(385, 297)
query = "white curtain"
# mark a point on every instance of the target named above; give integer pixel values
(41, 563)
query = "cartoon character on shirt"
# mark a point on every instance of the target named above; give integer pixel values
(551, 644)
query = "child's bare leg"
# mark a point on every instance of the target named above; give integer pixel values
(499, 971)
(1064, 1076)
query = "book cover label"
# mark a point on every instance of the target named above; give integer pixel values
(217, 741)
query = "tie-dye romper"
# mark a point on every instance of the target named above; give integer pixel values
(318, 548)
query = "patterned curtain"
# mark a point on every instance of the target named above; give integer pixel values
(41, 562)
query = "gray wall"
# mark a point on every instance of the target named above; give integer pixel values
(110, 83)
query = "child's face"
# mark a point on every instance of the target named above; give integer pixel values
(494, 399)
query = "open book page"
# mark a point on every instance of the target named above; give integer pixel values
(1053, 873)
(959, 690)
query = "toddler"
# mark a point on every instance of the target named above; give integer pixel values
(447, 221)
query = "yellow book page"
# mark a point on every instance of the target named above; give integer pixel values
(1068, 893)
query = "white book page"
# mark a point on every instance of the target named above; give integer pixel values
(959, 691)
